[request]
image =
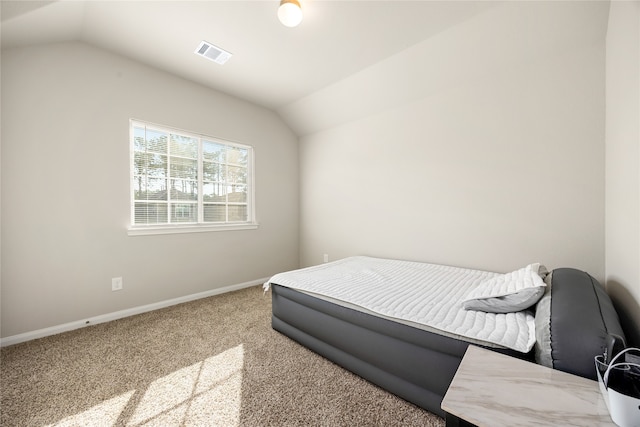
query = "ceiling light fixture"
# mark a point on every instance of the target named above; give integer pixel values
(290, 13)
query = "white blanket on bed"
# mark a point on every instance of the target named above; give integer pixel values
(426, 294)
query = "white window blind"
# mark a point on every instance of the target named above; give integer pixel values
(181, 179)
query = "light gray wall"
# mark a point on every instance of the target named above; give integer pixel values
(623, 162)
(65, 188)
(500, 165)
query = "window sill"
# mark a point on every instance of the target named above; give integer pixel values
(179, 229)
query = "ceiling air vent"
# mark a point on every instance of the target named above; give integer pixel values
(212, 52)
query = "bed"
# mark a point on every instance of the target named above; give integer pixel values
(571, 321)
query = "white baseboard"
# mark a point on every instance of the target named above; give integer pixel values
(40, 333)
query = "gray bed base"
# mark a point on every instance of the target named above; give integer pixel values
(418, 365)
(411, 363)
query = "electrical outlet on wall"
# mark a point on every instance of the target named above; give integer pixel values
(325, 258)
(116, 284)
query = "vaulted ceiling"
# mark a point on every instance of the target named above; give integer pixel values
(273, 66)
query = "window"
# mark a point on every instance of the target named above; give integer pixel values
(187, 182)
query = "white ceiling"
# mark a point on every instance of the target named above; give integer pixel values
(272, 65)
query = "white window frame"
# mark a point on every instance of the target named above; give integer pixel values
(200, 226)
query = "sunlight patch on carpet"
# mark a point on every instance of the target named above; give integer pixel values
(105, 413)
(205, 393)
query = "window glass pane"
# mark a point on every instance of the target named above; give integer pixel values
(157, 165)
(139, 142)
(157, 141)
(215, 213)
(184, 212)
(182, 189)
(157, 189)
(151, 164)
(237, 194)
(140, 163)
(184, 146)
(207, 191)
(237, 156)
(214, 192)
(236, 174)
(213, 171)
(146, 188)
(140, 188)
(213, 152)
(237, 212)
(150, 213)
(184, 168)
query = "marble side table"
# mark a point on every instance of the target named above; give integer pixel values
(491, 389)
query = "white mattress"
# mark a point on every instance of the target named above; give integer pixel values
(411, 292)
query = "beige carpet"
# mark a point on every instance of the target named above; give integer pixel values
(211, 362)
